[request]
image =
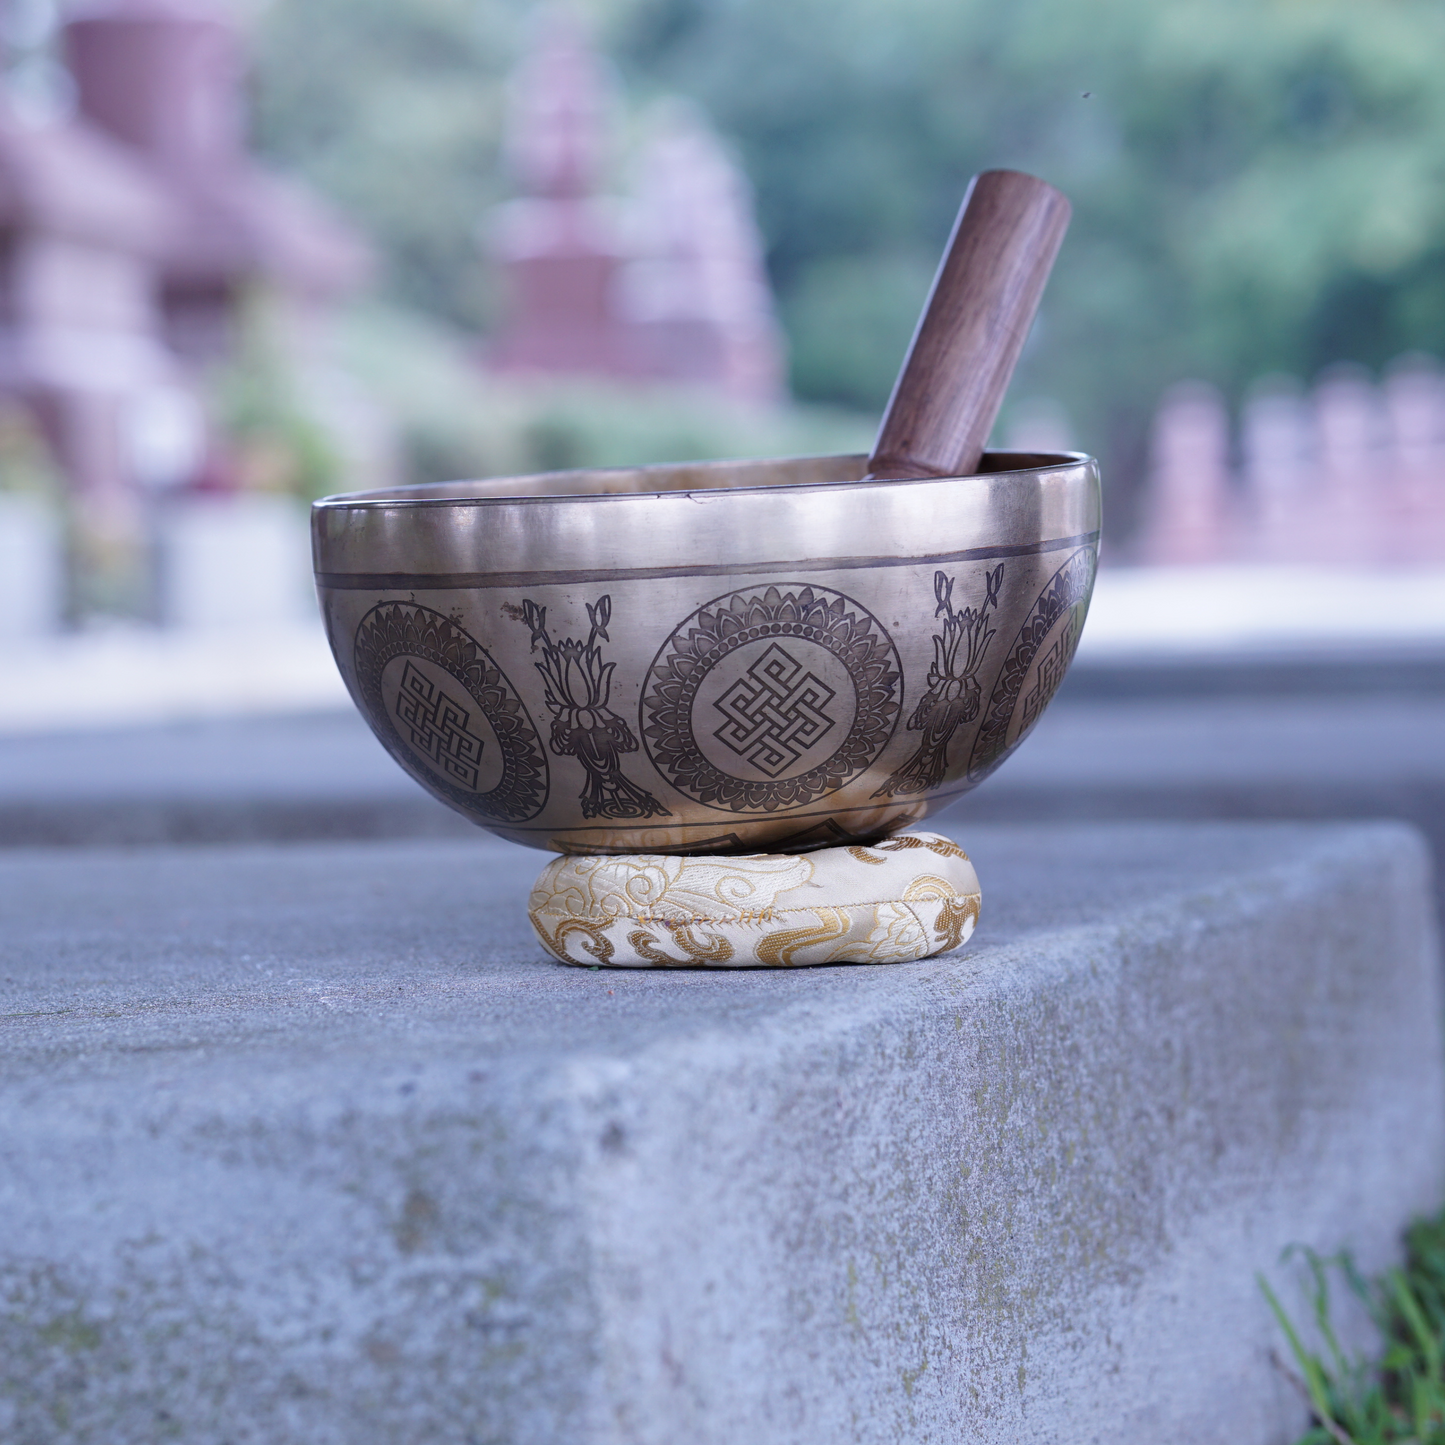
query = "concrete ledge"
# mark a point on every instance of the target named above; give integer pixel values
(317, 777)
(308, 1145)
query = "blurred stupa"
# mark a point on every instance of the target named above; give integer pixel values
(164, 78)
(136, 230)
(85, 226)
(665, 285)
(695, 288)
(560, 244)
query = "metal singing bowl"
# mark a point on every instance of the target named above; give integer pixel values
(714, 657)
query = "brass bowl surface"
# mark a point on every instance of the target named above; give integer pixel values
(713, 657)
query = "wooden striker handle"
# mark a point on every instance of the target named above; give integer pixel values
(973, 327)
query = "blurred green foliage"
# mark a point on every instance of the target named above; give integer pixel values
(393, 109)
(27, 466)
(457, 422)
(275, 441)
(1259, 185)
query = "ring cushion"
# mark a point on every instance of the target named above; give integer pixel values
(909, 897)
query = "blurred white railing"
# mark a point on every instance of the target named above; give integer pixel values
(241, 630)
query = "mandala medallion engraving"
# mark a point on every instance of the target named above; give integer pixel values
(767, 699)
(1036, 662)
(444, 709)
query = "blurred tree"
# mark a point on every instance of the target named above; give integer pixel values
(274, 441)
(27, 466)
(1259, 185)
(393, 108)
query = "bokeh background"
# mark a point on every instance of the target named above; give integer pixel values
(318, 207)
(255, 252)
(1257, 186)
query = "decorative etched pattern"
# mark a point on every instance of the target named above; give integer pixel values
(443, 737)
(953, 692)
(907, 898)
(1051, 669)
(437, 727)
(579, 691)
(1064, 599)
(777, 709)
(774, 712)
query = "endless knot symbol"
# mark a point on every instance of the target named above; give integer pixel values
(438, 727)
(774, 712)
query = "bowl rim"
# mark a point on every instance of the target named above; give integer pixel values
(414, 495)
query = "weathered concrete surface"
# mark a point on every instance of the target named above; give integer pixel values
(308, 1147)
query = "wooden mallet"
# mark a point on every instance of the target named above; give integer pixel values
(974, 325)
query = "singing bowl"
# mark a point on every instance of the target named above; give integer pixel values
(713, 657)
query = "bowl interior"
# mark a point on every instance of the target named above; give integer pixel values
(736, 475)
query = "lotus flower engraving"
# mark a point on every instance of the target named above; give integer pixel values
(954, 696)
(578, 693)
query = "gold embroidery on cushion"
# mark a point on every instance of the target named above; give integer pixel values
(863, 856)
(776, 950)
(944, 847)
(679, 911)
(955, 909)
(713, 948)
(898, 935)
(928, 886)
(957, 918)
(598, 950)
(648, 887)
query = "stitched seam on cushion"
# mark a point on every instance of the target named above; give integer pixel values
(938, 948)
(926, 930)
(763, 915)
